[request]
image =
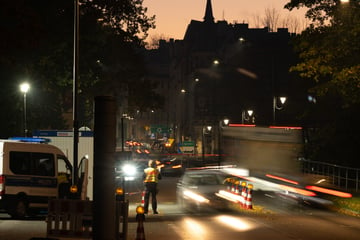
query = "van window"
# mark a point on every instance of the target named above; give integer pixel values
(20, 163)
(31, 163)
(63, 165)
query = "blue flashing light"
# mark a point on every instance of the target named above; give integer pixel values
(30, 139)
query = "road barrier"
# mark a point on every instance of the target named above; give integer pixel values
(233, 193)
(69, 218)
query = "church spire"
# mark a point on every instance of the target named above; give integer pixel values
(208, 13)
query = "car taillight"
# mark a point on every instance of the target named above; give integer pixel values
(2, 185)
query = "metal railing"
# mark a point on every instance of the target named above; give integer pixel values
(343, 177)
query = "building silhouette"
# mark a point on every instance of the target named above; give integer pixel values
(220, 70)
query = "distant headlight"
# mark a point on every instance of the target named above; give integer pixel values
(129, 170)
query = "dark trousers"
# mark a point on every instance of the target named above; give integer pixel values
(150, 189)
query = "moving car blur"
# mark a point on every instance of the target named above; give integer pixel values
(171, 167)
(197, 188)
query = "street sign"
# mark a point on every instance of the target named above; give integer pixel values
(159, 129)
(187, 147)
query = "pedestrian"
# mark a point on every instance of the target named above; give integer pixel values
(151, 177)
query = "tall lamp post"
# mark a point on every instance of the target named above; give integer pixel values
(24, 88)
(222, 123)
(204, 130)
(276, 107)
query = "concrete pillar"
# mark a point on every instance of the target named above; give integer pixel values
(104, 173)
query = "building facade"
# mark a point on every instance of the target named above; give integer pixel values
(221, 70)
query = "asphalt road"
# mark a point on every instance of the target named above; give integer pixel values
(273, 217)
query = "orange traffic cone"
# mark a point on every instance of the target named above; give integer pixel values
(142, 198)
(243, 194)
(232, 186)
(248, 199)
(237, 187)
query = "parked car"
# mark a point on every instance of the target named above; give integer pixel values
(196, 190)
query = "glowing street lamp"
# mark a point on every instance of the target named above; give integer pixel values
(248, 117)
(24, 88)
(276, 107)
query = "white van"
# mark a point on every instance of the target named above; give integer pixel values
(30, 175)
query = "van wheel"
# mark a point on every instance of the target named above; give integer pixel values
(20, 209)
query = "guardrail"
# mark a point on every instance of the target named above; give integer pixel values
(68, 218)
(344, 177)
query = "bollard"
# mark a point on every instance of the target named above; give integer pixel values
(140, 218)
(119, 194)
(248, 199)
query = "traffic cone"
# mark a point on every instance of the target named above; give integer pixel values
(142, 198)
(237, 187)
(248, 200)
(243, 194)
(228, 185)
(140, 233)
(232, 186)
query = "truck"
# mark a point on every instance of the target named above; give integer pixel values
(63, 139)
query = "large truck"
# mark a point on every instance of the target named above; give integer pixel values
(63, 139)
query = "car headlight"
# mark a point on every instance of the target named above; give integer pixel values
(129, 170)
(196, 197)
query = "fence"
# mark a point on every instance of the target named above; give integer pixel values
(343, 177)
(73, 219)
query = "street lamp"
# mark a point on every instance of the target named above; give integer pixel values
(24, 88)
(124, 116)
(276, 107)
(222, 123)
(248, 117)
(204, 131)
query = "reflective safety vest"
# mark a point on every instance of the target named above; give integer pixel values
(151, 175)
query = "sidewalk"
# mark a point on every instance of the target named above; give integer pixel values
(156, 226)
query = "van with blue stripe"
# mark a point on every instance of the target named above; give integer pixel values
(31, 173)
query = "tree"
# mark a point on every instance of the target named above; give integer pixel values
(271, 19)
(330, 56)
(37, 43)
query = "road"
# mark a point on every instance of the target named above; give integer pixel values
(272, 218)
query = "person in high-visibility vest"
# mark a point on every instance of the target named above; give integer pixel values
(151, 177)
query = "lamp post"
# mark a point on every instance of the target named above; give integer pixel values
(244, 117)
(204, 130)
(24, 88)
(276, 107)
(222, 123)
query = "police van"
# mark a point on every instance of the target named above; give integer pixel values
(31, 173)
